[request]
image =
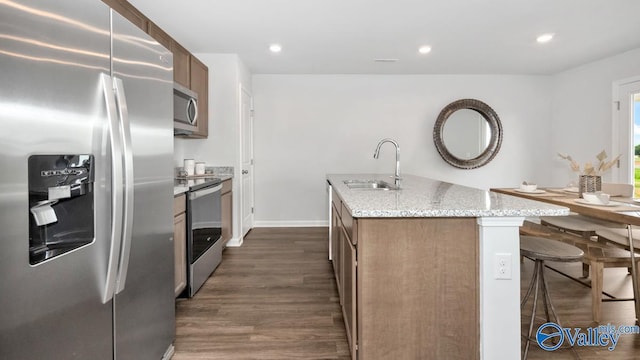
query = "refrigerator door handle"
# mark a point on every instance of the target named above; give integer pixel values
(125, 131)
(115, 144)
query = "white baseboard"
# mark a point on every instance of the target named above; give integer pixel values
(292, 223)
(235, 242)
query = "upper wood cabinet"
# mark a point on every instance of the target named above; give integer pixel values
(157, 33)
(181, 66)
(188, 71)
(127, 10)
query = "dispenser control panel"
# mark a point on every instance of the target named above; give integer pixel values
(61, 204)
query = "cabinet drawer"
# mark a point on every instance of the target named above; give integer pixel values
(179, 204)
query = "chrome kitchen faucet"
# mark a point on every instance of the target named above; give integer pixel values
(396, 177)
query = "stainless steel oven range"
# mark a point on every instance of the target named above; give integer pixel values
(204, 230)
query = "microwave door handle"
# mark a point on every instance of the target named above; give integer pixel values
(200, 193)
(194, 103)
(125, 129)
(115, 145)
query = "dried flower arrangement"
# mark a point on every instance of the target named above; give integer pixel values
(588, 168)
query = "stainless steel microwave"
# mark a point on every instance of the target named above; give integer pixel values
(185, 110)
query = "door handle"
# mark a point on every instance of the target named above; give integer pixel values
(127, 228)
(245, 172)
(117, 188)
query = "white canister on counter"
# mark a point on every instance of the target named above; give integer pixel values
(189, 166)
(199, 168)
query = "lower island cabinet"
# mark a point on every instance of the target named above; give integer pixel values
(344, 258)
(180, 243)
(408, 286)
(335, 242)
(348, 284)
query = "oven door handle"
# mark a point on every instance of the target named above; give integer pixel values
(200, 193)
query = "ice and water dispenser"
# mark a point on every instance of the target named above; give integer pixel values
(61, 204)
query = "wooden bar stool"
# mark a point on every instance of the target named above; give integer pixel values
(540, 250)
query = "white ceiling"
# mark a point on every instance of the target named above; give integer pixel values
(345, 36)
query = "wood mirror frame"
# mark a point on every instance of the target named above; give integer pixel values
(494, 125)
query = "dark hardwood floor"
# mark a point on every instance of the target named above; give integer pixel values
(275, 298)
(272, 298)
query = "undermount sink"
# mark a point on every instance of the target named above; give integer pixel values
(370, 184)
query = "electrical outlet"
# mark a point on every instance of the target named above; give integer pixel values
(502, 266)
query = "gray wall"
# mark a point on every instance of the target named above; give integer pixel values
(309, 125)
(583, 115)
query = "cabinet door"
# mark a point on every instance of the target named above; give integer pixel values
(129, 12)
(180, 252)
(181, 64)
(349, 291)
(200, 84)
(159, 35)
(335, 247)
(227, 216)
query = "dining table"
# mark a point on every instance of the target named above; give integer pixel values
(621, 210)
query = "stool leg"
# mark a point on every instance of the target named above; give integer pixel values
(547, 300)
(536, 284)
(545, 291)
(531, 284)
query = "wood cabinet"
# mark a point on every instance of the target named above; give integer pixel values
(336, 244)
(188, 70)
(408, 286)
(181, 65)
(157, 33)
(180, 243)
(348, 286)
(344, 259)
(227, 211)
(129, 12)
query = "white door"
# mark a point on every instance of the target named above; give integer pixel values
(626, 134)
(246, 104)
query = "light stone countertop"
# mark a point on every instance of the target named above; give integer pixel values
(423, 197)
(180, 189)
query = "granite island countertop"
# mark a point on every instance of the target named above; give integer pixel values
(424, 197)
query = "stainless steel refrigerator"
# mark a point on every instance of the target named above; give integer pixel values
(86, 188)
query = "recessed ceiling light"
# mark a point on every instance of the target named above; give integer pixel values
(424, 49)
(544, 38)
(386, 60)
(275, 48)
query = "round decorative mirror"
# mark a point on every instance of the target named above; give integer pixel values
(467, 133)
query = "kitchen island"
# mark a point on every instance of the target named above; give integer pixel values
(417, 268)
